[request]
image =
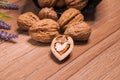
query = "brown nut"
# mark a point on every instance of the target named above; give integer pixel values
(60, 3)
(44, 30)
(77, 18)
(26, 20)
(46, 3)
(62, 46)
(79, 31)
(69, 16)
(48, 13)
(78, 4)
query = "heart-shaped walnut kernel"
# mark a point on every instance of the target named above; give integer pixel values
(62, 46)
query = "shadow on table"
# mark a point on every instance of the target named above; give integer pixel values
(23, 32)
(90, 9)
(29, 6)
(81, 42)
(36, 43)
(10, 41)
(57, 61)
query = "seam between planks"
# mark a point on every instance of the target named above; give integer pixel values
(111, 72)
(76, 57)
(95, 58)
(84, 52)
(17, 58)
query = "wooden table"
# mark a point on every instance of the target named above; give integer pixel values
(99, 59)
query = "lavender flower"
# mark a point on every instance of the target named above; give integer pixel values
(7, 36)
(10, 6)
(4, 25)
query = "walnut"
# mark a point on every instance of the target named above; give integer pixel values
(79, 31)
(47, 3)
(69, 16)
(26, 20)
(44, 30)
(48, 13)
(60, 3)
(62, 46)
(78, 4)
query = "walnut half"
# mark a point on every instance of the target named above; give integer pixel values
(62, 46)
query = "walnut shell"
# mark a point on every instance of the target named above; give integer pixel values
(78, 4)
(60, 3)
(62, 46)
(77, 18)
(79, 31)
(44, 30)
(69, 16)
(26, 20)
(48, 13)
(46, 3)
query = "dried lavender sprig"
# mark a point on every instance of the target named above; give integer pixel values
(7, 36)
(10, 6)
(4, 25)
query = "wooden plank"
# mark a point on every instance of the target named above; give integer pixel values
(12, 50)
(53, 67)
(14, 15)
(24, 39)
(101, 65)
(85, 58)
(113, 75)
(39, 59)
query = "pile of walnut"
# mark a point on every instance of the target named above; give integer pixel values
(46, 26)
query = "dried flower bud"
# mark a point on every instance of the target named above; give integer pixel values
(10, 6)
(7, 36)
(4, 25)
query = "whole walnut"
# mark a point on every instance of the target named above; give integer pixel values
(79, 31)
(60, 3)
(78, 4)
(26, 20)
(69, 16)
(46, 3)
(44, 30)
(48, 13)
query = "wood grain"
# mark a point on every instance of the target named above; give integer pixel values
(85, 58)
(113, 74)
(26, 59)
(98, 68)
